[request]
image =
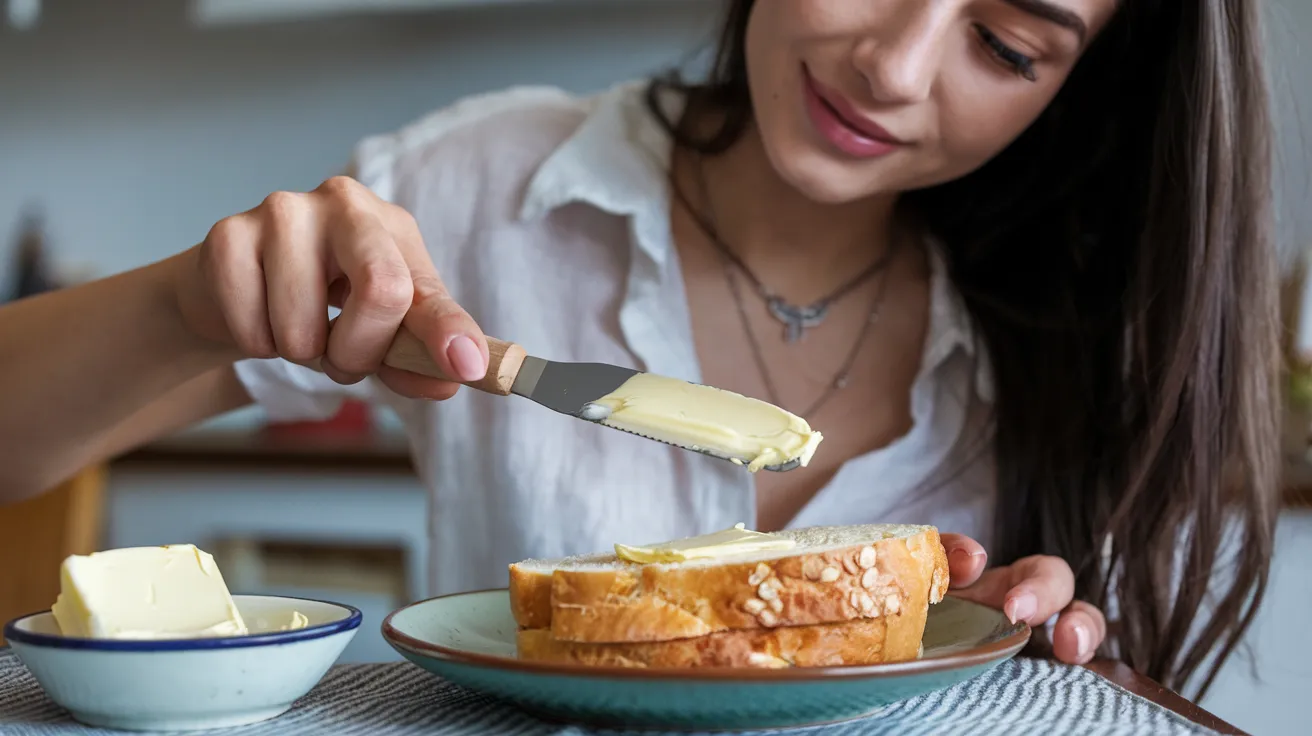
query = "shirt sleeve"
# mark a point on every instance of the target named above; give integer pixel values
(291, 393)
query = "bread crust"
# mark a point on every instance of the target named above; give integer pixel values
(530, 598)
(861, 642)
(650, 603)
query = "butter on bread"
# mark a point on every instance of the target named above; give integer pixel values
(735, 541)
(830, 575)
(861, 642)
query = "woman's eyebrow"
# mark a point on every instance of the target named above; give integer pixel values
(1053, 14)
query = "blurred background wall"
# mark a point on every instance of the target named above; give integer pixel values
(136, 127)
(132, 126)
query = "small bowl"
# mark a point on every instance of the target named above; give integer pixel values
(188, 684)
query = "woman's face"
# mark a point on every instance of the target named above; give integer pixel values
(855, 98)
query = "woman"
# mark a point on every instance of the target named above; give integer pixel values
(1010, 256)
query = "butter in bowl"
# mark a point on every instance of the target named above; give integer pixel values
(150, 639)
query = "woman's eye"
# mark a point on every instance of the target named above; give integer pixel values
(1015, 60)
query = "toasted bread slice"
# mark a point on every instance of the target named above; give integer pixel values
(859, 642)
(832, 575)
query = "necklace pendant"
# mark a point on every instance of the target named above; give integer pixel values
(796, 320)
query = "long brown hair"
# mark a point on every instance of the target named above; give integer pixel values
(1118, 262)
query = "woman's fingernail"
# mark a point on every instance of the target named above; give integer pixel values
(1021, 608)
(960, 558)
(1082, 641)
(466, 359)
(963, 555)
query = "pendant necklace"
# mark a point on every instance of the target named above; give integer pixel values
(795, 319)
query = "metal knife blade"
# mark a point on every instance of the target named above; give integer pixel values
(567, 388)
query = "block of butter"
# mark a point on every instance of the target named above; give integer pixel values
(171, 592)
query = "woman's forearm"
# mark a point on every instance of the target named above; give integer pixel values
(77, 364)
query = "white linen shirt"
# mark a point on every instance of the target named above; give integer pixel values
(548, 217)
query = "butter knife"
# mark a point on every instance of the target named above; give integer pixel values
(568, 388)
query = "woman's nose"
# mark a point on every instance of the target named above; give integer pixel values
(900, 58)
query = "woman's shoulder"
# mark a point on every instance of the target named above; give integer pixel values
(486, 143)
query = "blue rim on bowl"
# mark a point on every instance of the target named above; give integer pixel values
(1002, 648)
(352, 620)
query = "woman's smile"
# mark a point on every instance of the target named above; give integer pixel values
(837, 121)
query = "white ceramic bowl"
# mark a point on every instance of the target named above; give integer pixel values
(188, 684)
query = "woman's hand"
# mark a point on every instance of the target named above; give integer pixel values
(263, 280)
(1031, 590)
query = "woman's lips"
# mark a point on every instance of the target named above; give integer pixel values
(839, 123)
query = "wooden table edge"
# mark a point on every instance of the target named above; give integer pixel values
(1120, 674)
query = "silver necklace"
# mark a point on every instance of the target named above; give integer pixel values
(840, 379)
(731, 262)
(795, 318)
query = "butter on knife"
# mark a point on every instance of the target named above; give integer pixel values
(745, 431)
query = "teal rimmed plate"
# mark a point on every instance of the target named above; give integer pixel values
(469, 639)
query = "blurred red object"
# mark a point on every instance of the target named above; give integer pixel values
(352, 420)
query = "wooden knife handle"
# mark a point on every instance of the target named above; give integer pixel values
(504, 361)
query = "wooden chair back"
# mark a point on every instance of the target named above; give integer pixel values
(36, 535)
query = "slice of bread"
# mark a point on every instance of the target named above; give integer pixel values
(832, 575)
(860, 642)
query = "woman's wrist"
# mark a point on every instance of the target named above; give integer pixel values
(190, 326)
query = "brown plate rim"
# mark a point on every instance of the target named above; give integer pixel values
(1002, 649)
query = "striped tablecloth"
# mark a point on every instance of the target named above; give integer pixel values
(1023, 696)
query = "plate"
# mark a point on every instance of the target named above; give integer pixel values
(469, 639)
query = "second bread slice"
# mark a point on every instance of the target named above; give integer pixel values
(863, 642)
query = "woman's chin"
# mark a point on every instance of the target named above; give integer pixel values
(825, 181)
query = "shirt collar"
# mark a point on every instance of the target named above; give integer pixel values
(618, 161)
